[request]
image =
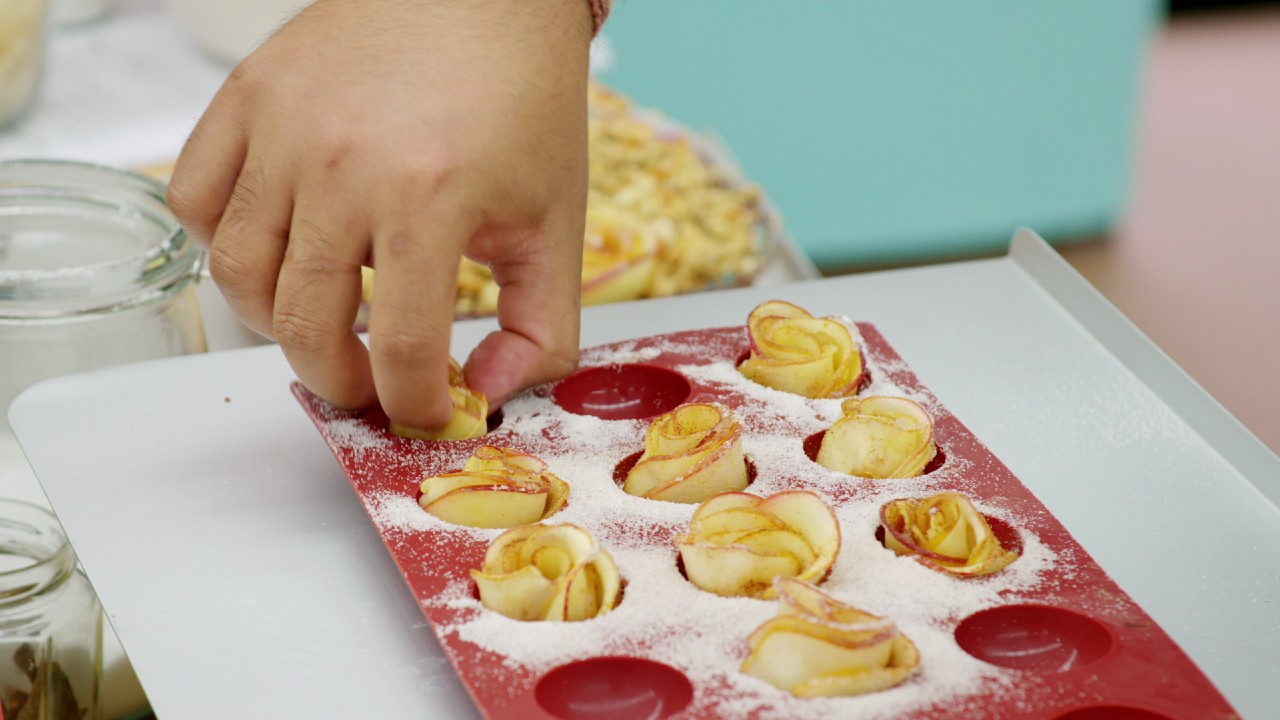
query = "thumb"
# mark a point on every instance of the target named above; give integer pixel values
(539, 310)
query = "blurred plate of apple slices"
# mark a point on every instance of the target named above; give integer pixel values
(668, 213)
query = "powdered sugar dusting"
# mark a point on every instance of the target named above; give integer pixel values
(618, 354)
(355, 434)
(663, 616)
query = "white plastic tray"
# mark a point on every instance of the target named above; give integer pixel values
(245, 580)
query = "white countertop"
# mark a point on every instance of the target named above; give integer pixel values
(123, 91)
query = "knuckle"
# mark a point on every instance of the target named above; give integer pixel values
(301, 331)
(315, 238)
(231, 272)
(248, 189)
(310, 272)
(400, 348)
(399, 245)
(243, 206)
(336, 152)
(185, 204)
(244, 77)
(429, 172)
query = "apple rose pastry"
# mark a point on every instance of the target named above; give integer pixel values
(738, 543)
(879, 437)
(548, 572)
(690, 454)
(945, 532)
(470, 413)
(818, 646)
(795, 352)
(619, 256)
(496, 488)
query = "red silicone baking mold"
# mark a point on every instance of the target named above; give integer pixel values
(1077, 648)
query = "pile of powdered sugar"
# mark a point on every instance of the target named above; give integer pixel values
(663, 616)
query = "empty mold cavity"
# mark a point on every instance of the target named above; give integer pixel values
(622, 392)
(613, 688)
(1039, 638)
(1112, 712)
(813, 444)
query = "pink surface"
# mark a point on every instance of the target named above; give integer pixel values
(1194, 261)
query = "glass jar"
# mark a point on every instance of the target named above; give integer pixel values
(94, 271)
(50, 622)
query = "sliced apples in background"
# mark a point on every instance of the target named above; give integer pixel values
(619, 257)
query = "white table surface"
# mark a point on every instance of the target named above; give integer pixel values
(123, 91)
(231, 553)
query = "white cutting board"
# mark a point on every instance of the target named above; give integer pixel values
(245, 580)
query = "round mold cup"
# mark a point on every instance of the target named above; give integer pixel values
(813, 444)
(613, 688)
(622, 392)
(1037, 638)
(1112, 712)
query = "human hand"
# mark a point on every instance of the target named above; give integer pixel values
(400, 134)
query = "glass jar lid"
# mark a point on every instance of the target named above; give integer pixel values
(79, 239)
(35, 556)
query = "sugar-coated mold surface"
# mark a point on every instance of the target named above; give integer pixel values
(614, 688)
(1112, 712)
(663, 619)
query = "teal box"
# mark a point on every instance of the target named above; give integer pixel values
(896, 131)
